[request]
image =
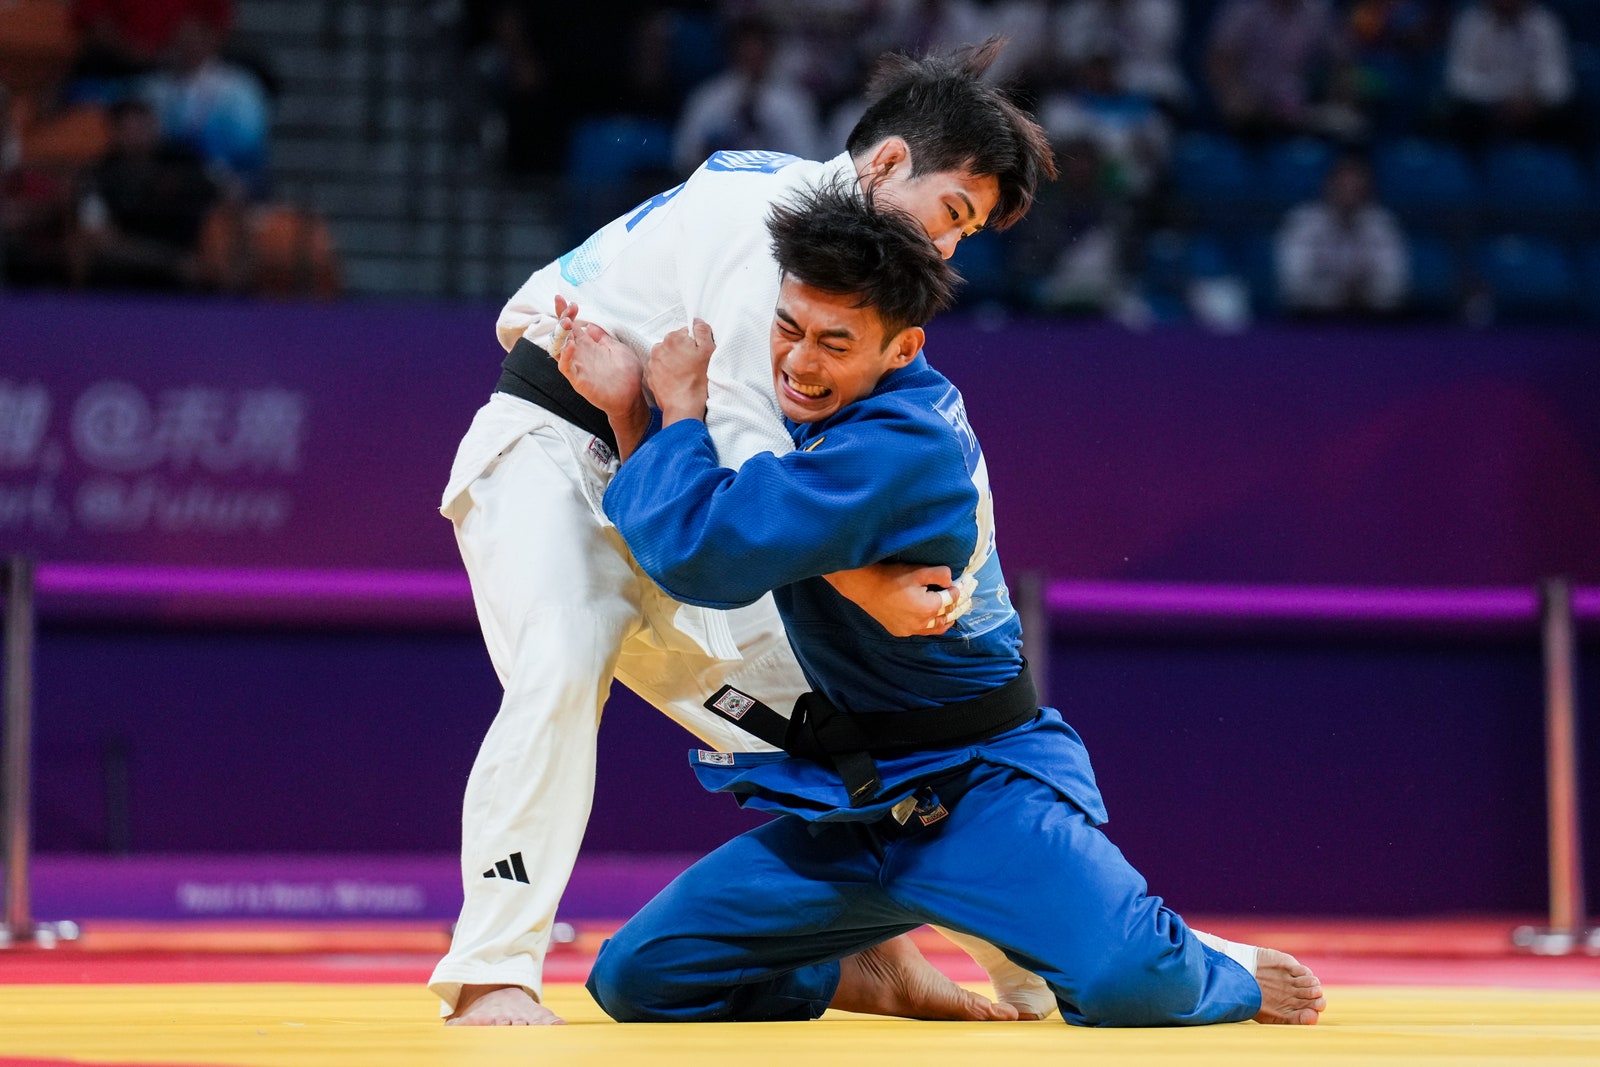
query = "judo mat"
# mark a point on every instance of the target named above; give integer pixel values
(1441, 993)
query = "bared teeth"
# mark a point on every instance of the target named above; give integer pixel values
(808, 390)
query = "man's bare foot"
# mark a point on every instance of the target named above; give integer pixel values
(500, 1005)
(1025, 991)
(1290, 993)
(894, 979)
(1013, 985)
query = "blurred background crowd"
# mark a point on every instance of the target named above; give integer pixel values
(1222, 161)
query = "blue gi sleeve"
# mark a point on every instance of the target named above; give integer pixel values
(867, 490)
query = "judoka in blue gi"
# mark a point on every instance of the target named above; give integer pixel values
(929, 786)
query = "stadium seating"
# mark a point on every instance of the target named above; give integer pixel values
(1529, 277)
(1528, 185)
(1435, 274)
(612, 150)
(1425, 181)
(1293, 170)
(1216, 180)
(980, 260)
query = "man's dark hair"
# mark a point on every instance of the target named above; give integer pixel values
(833, 238)
(952, 120)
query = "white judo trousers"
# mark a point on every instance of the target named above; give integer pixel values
(564, 610)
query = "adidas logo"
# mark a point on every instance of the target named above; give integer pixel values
(510, 868)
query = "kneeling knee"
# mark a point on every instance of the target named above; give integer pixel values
(634, 982)
(1135, 997)
(622, 987)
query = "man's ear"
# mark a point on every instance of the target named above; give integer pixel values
(905, 346)
(891, 156)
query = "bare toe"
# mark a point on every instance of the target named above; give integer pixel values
(1290, 994)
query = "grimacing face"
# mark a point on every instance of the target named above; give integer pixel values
(827, 353)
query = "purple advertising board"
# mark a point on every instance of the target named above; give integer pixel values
(185, 433)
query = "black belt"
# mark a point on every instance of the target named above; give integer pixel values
(530, 373)
(847, 741)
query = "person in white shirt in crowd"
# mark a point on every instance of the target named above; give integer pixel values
(1342, 256)
(1508, 73)
(750, 106)
(1141, 36)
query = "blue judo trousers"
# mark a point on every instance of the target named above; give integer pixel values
(751, 932)
(1004, 843)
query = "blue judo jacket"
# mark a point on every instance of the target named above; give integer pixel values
(896, 476)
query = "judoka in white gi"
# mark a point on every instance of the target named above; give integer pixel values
(563, 606)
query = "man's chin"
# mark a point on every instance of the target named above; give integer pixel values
(798, 413)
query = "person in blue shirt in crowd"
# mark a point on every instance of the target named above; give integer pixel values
(920, 781)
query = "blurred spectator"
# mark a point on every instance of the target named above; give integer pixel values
(1130, 131)
(917, 26)
(1075, 240)
(141, 214)
(510, 87)
(1398, 44)
(1142, 37)
(749, 106)
(1342, 255)
(1281, 67)
(124, 39)
(526, 88)
(214, 107)
(36, 205)
(824, 45)
(1509, 73)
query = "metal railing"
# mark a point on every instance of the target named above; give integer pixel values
(443, 598)
(16, 764)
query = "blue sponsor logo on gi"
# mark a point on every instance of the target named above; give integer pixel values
(582, 263)
(756, 160)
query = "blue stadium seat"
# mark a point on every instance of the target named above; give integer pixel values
(1293, 170)
(1580, 17)
(1164, 280)
(1209, 256)
(696, 48)
(1527, 184)
(1586, 73)
(1590, 280)
(1530, 277)
(1435, 274)
(1215, 178)
(1425, 180)
(981, 262)
(1257, 255)
(610, 151)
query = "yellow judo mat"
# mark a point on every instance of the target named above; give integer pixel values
(340, 1025)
